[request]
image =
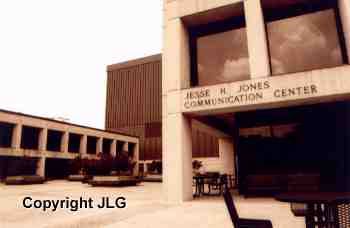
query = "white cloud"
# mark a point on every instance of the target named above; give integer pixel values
(237, 68)
(278, 66)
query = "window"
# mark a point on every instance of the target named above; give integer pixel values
(304, 37)
(106, 146)
(223, 57)
(219, 51)
(54, 139)
(91, 145)
(74, 143)
(6, 131)
(30, 138)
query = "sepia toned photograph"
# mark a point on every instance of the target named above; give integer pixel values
(175, 113)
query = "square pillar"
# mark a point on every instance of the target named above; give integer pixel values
(64, 142)
(176, 130)
(177, 159)
(176, 57)
(145, 168)
(99, 145)
(126, 147)
(344, 9)
(259, 60)
(136, 159)
(227, 158)
(113, 151)
(16, 136)
(83, 145)
(40, 168)
(43, 139)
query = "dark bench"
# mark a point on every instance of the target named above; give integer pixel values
(24, 180)
(271, 184)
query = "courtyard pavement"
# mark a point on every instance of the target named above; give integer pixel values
(145, 209)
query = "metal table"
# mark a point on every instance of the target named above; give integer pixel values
(321, 206)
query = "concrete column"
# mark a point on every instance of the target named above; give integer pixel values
(65, 142)
(344, 8)
(176, 57)
(40, 168)
(136, 159)
(257, 43)
(126, 146)
(16, 136)
(176, 136)
(83, 145)
(113, 151)
(177, 160)
(43, 139)
(99, 145)
(145, 168)
(226, 150)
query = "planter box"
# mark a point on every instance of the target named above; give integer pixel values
(76, 177)
(24, 180)
(153, 178)
(114, 181)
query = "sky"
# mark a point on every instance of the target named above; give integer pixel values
(54, 53)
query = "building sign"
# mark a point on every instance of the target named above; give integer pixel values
(255, 92)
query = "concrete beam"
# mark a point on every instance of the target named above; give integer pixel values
(65, 142)
(40, 169)
(113, 151)
(83, 145)
(43, 139)
(344, 8)
(17, 136)
(99, 145)
(177, 159)
(259, 60)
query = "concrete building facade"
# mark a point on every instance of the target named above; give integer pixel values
(261, 74)
(44, 140)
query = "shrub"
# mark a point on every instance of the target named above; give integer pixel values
(103, 165)
(156, 167)
(123, 163)
(196, 165)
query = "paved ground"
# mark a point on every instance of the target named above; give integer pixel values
(144, 209)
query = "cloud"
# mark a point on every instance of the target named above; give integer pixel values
(277, 66)
(235, 68)
(304, 46)
(200, 68)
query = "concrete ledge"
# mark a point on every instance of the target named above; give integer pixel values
(76, 177)
(153, 178)
(114, 181)
(24, 180)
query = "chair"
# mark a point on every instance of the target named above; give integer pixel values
(319, 215)
(219, 184)
(240, 222)
(342, 214)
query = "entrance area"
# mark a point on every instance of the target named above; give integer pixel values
(303, 148)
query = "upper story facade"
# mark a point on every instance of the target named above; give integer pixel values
(235, 55)
(24, 135)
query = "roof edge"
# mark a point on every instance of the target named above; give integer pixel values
(66, 123)
(134, 62)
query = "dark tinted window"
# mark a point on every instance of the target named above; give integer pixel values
(304, 42)
(222, 57)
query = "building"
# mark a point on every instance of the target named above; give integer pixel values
(134, 106)
(278, 70)
(35, 145)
